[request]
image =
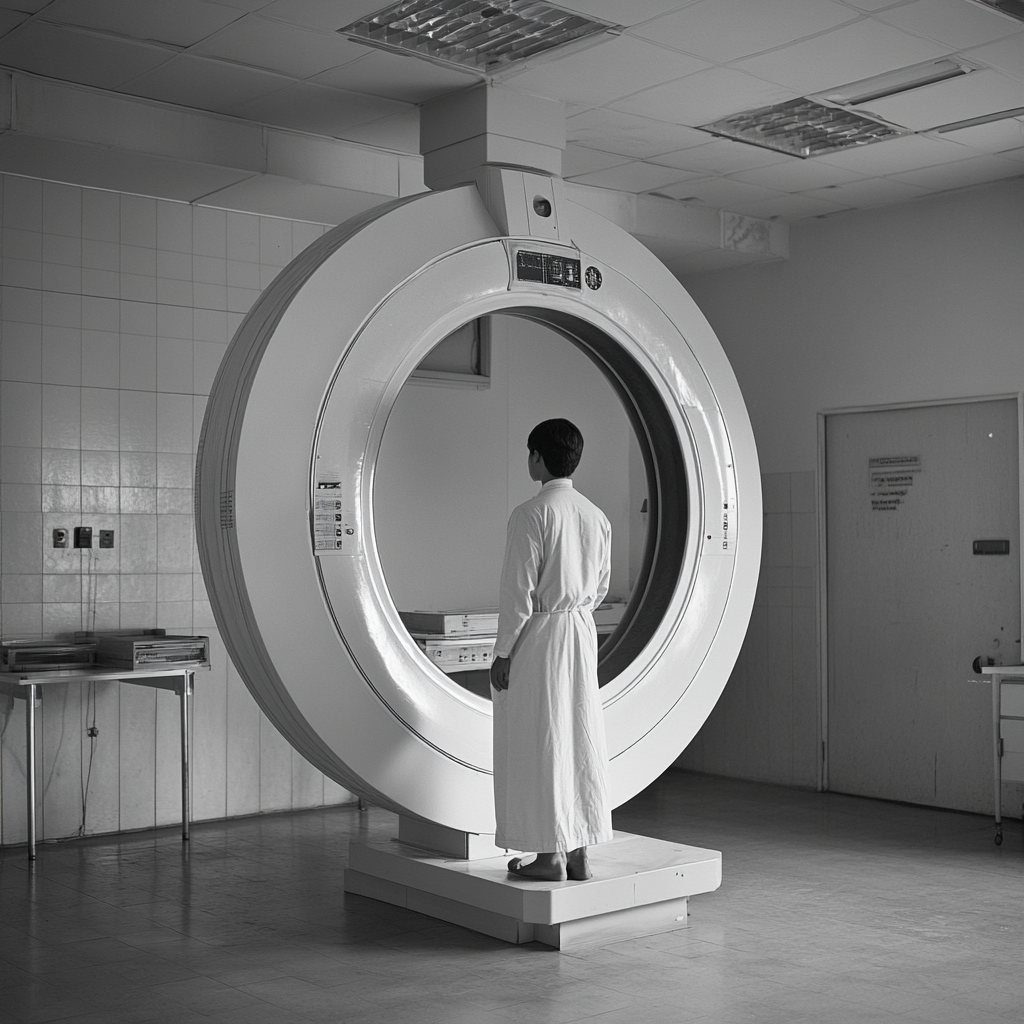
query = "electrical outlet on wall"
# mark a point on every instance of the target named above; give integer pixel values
(106, 538)
(83, 536)
(60, 538)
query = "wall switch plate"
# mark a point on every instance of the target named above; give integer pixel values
(106, 538)
(60, 538)
(83, 536)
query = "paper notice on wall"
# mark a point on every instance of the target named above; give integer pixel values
(334, 528)
(891, 478)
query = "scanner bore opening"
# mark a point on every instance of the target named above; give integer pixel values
(665, 543)
(666, 539)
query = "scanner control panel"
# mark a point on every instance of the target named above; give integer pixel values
(547, 268)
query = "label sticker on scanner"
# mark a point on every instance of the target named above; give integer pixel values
(334, 529)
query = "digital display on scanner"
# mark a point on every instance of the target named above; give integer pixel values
(548, 269)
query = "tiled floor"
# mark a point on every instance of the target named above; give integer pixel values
(832, 909)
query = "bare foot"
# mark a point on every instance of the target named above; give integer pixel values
(577, 867)
(546, 867)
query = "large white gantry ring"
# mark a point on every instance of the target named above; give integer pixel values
(286, 473)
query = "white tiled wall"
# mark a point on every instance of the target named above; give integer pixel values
(116, 311)
(765, 726)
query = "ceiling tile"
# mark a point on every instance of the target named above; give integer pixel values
(1013, 154)
(597, 75)
(313, 108)
(205, 84)
(725, 30)
(1007, 56)
(25, 6)
(899, 154)
(723, 193)
(273, 45)
(869, 5)
(633, 177)
(75, 55)
(956, 99)
(960, 173)
(798, 175)
(398, 132)
(846, 55)
(704, 97)
(622, 12)
(179, 23)
(953, 22)
(10, 20)
(325, 15)
(581, 160)
(628, 134)
(397, 77)
(247, 5)
(792, 207)
(994, 137)
(869, 193)
(721, 156)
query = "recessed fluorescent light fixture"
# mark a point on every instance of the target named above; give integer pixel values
(483, 35)
(893, 82)
(802, 128)
(971, 122)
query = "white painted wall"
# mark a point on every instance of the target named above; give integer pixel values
(915, 302)
(906, 303)
(116, 310)
(453, 466)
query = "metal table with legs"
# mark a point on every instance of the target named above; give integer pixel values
(1007, 730)
(28, 686)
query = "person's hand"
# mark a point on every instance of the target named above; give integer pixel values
(499, 673)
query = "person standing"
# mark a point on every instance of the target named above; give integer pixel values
(550, 757)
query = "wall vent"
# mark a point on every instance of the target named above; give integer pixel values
(802, 128)
(483, 35)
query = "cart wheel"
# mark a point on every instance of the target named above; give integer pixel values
(999, 837)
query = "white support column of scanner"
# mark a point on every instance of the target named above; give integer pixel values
(302, 399)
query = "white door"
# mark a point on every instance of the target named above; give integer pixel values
(910, 605)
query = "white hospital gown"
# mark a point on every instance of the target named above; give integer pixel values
(550, 756)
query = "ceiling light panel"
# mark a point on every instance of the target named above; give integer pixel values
(961, 99)
(893, 82)
(802, 128)
(485, 35)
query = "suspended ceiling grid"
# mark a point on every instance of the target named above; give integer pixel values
(634, 100)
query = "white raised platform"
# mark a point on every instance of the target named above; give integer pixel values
(640, 887)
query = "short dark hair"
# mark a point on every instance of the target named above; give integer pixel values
(560, 445)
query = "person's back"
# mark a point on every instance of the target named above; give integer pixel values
(550, 764)
(578, 541)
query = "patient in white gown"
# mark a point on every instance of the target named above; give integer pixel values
(550, 759)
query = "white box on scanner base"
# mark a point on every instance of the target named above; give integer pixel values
(452, 623)
(460, 653)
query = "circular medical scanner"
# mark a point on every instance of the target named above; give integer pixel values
(285, 479)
